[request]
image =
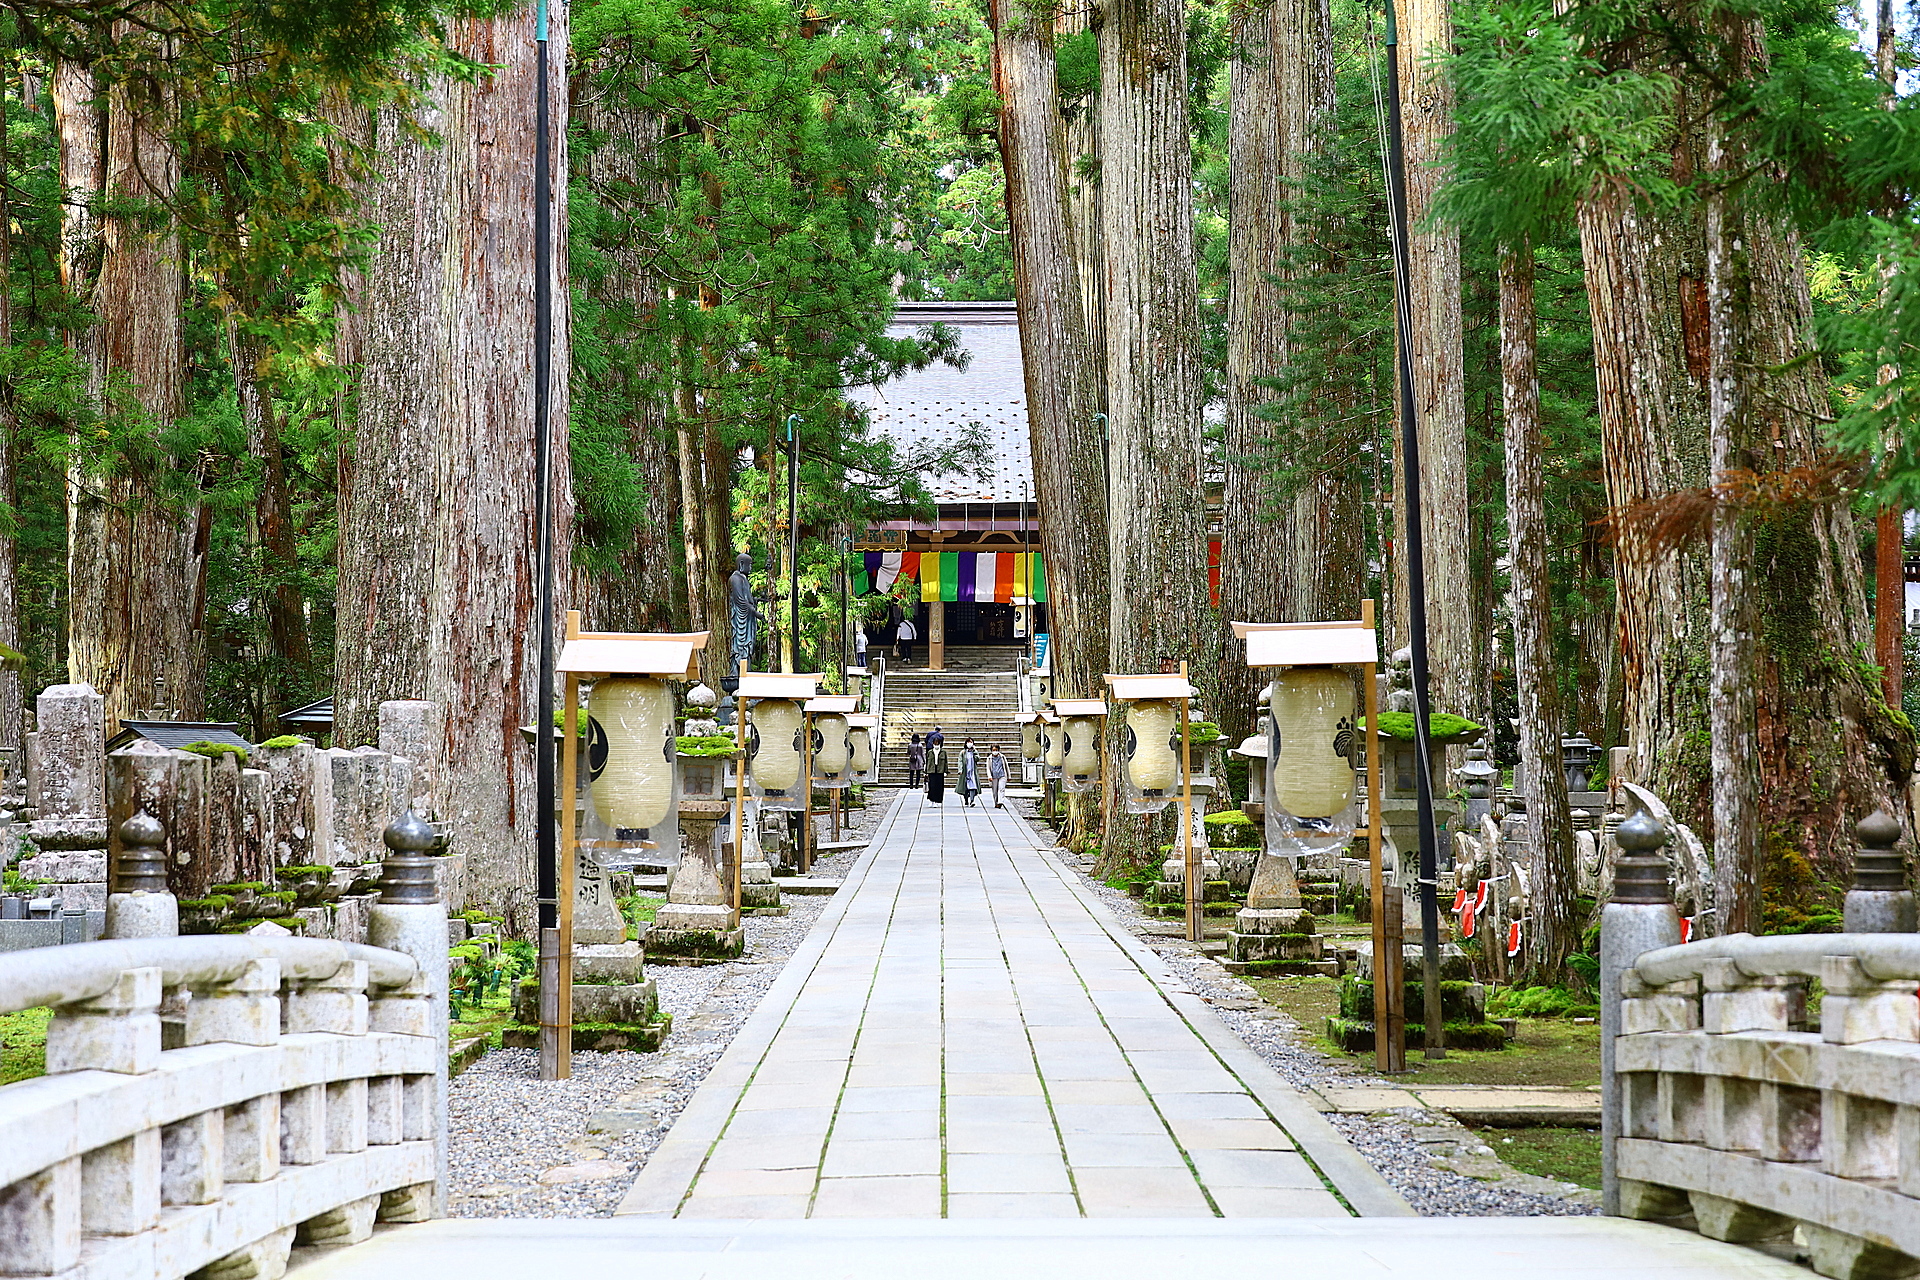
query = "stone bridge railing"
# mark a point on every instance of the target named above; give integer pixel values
(1727, 1101)
(212, 1102)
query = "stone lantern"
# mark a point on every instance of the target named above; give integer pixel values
(1477, 777)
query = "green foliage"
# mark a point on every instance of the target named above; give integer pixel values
(706, 745)
(215, 750)
(1201, 733)
(1540, 1002)
(1441, 728)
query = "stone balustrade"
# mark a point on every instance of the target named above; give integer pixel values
(212, 1102)
(1731, 1105)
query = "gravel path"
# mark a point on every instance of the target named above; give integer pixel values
(510, 1128)
(1442, 1168)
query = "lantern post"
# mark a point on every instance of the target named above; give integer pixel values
(739, 788)
(1142, 783)
(1304, 646)
(592, 655)
(779, 710)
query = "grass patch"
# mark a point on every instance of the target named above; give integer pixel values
(639, 910)
(1544, 1051)
(483, 1017)
(23, 1044)
(1565, 1155)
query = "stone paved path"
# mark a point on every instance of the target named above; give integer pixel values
(967, 1033)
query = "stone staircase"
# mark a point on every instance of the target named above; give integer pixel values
(975, 697)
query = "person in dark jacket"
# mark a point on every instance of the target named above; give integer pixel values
(969, 774)
(936, 774)
(916, 760)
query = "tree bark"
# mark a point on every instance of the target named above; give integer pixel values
(136, 556)
(290, 653)
(1062, 383)
(1157, 521)
(1288, 552)
(1645, 291)
(12, 720)
(1555, 933)
(437, 591)
(1426, 30)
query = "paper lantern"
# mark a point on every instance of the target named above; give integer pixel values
(830, 749)
(1052, 746)
(860, 753)
(1153, 748)
(1030, 746)
(634, 778)
(774, 752)
(1312, 730)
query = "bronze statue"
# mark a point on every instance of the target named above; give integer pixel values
(743, 614)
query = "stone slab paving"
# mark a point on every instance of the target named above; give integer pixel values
(969, 1034)
(1113, 1249)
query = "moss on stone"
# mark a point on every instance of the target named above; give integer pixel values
(1441, 727)
(214, 750)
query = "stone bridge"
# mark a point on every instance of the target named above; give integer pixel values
(225, 1107)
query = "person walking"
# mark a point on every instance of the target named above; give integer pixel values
(936, 738)
(997, 775)
(916, 760)
(969, 774)
(936, 774)
(859, 646)
(903, 641)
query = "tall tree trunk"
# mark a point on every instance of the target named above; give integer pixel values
(1157, 521)
(1288, 550)
(1735, 442)
(290, 654)
(1890, 568)
(1645, 276)
(12, 720)
(437, 592)
(1555, 934)
(1061, 380)
(1426, 30)
(1082, 142)
(136, 555)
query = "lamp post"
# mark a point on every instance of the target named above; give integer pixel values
(792, 662)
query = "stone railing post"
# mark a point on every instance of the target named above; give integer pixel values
(139, 904)
(1641, 918)
(410, 918)
(1879, 901)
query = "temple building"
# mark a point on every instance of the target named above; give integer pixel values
(982, 579)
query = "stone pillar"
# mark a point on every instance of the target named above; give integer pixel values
(1273, 933)
(937, 636)
(759, 894)
(67, 766)
(1879, 901)
(1641, 918)
(698, 919)
(299, 790)
(417, 730)
(411, 918)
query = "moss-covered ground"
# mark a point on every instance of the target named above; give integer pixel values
(23, 1044)
(1565, 1155)
(1545, 1051)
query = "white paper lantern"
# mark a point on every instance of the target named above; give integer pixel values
(776, 749)
(1311, 736)
(1080, 752)
(830, 749)
(860, 753)
(1030, 746)
(1153, 751)
(1053, 746)
(633, 716)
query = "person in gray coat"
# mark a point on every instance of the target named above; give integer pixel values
(969, 774)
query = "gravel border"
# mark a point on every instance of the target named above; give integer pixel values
(509, 1127)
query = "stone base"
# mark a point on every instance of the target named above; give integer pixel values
(630, 1037)
(1175, 869)
(78, 897)
(765, 911)
(1279, 920)
(636, 1003)
(670, 945)
(1246, 948)
(616, 963)
(1282, 968)
(78, 834)
(67, 865)
(760, 897)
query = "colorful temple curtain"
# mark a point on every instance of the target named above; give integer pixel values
(984, 577)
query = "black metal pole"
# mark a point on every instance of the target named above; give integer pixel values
(846, 577)
(547, 845)
(1414, 562)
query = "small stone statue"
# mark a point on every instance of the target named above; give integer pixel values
(700, 721)
(743, 614)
